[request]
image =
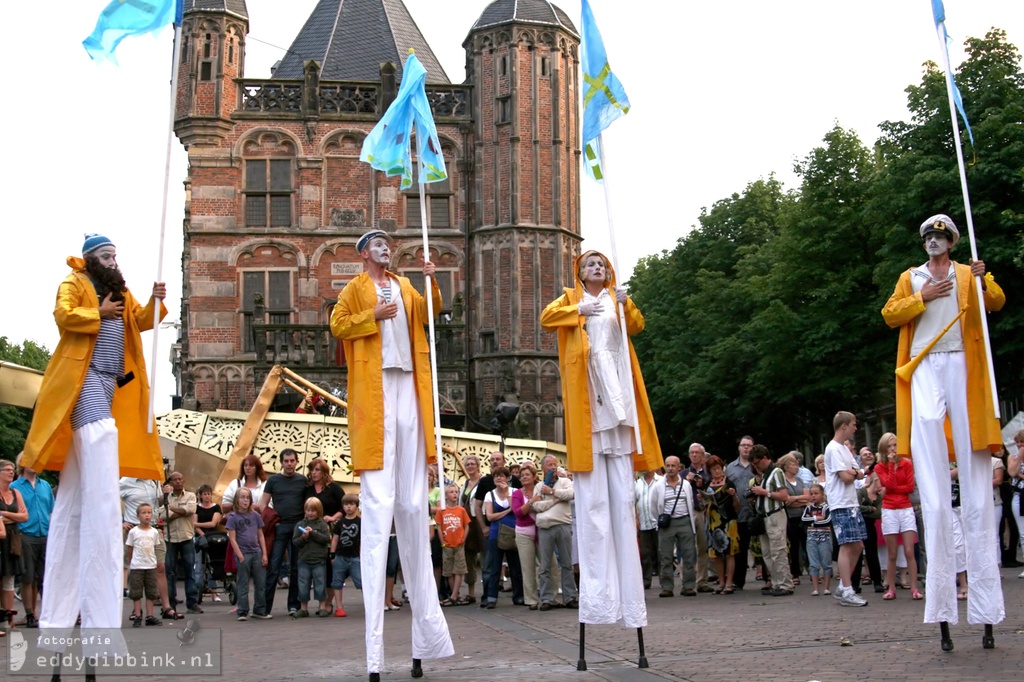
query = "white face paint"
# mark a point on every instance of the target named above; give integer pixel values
(107, 256)
(593, 270)
(935, 244)
(379, 251)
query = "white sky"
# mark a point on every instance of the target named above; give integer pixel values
(737, 89)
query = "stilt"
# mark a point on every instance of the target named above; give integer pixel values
(946, 640)
(56, 672)
(582, 663)
(988, 640)
(643, 656)
(374, 677)
(90, 672)
(417, 668)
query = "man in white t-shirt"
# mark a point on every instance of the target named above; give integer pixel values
(841, 475)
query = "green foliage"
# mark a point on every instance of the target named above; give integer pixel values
(14, 421)
(766, 319)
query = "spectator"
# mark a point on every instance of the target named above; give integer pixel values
(896, 478)
(486, 485)
(674, 501)
(250, 475)
(324, 488)
(38, 497)
(134, 492)
(739, 471)
(312, 538)
(452, 522)
(1015, 470)
(554, 535)
(475, 542)
(796, 536)
(722, 508)
(345, 551)
(819, 541)
(526, 531)
(840, 474)
(178, 512)
(246, 540)
(647, 524)
(768, 489)
(698, 476)
(13, 512)
(819, 469)
(498, 508)
(207, 518)
(871, 508)
(142, 542)
(287, 492)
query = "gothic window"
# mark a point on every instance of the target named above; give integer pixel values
(275, 286)
(503, 109)
(445, 282)
(206, 63)
(268, 193)
(439, 201)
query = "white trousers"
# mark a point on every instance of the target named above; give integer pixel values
(84, 555)
(938, 388)
(399, 492)
(611, 580)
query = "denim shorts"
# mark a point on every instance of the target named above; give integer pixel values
(848, 525)
(344, 567)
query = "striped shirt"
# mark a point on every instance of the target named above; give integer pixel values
(105, 366)
(775, 482)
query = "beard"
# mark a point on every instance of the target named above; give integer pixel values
(105, 280)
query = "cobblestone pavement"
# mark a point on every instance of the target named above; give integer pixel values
(708, 638)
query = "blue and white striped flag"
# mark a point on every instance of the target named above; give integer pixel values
(939, 13)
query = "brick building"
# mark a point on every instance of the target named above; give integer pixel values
(276, 198)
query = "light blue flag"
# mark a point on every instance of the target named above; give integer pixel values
(123, 18)
(387, 148)
(604, 98)
(939, 12)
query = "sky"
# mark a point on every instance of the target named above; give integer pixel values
(722, 94)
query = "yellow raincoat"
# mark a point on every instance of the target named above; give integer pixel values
(901, 310)
(562, 316)
(77, 313)
(353, 322)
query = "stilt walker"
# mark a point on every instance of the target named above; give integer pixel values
(393, 413)
(946, 379)
(609, 426)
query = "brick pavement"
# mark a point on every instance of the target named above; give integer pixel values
(708, 638)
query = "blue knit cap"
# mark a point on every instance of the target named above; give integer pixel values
(94, 242)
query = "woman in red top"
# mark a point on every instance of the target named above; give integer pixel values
(896, 476)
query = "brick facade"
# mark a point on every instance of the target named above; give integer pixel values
(277, 197)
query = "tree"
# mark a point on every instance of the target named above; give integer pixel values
(15, 421)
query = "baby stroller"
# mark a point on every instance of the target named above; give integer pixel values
(214, 578)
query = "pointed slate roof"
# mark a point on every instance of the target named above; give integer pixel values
(236, 7)
(352, 38)
(525, 12)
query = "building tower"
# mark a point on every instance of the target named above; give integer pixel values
(522, 58)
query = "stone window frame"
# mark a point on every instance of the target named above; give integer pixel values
(245, 309)
(268, 192)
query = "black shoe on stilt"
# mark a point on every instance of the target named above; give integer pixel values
(946, 641)
(417, 668)
(90, 673)
(56, 673)
(642, 663)
(581, 664)
(988, 640)
(374, 677)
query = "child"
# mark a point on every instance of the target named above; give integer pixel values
(453, 522)
(345, 550)
(819, 539)
(245, 535)
(312, 537)
(142, 543)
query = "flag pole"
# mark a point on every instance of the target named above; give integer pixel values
(428, 280)
(620, 308)
(175, 59)
(940, 30)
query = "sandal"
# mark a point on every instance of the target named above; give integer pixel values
(171, 614)
(729, 589)
(153, 620)
(796, 581)
(916, 595)
(470, 599)
(464, 601)
(447, 602)
(890, 595)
